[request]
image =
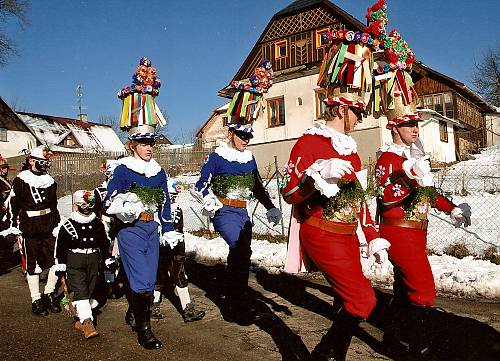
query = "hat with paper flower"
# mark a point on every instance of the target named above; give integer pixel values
(247, 100)
(394, 92)
(42, 152)
(3, 162)
(140, 115)
(346, 70)
(83, 197)
(174, 187)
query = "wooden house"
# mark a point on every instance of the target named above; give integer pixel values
(293, 43)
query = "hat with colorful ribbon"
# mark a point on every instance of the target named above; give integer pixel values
(140, 115)
(346, 70)
(248, 98)
(394, 93)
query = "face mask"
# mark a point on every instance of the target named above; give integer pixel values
(85, 208)
(41, 165)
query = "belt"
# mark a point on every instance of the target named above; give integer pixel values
(146, 217)
(396, 222)
(84, 250)
(333, 227)
(41, 212)
(236, 203)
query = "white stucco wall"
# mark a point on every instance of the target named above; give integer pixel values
(429, 135)
(16, 142)
(493, 129)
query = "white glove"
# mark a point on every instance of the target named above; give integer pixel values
(59, 267)
(273, 215)
(211, 204)
(422, 167)
(461, 215)
(126, 207)
(335, 168)
(378, 248)
(172, 238)
(109, 261)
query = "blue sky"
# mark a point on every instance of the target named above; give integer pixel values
(197, 47)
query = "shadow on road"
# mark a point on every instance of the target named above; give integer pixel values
(210, 279)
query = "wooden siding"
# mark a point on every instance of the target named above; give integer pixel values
(467, 113)
(426, 86)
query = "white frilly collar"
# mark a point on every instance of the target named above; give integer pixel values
(401, 150)
(344, 144)
(149, 169)
(37, 181)
(233, 155)
(80, 218)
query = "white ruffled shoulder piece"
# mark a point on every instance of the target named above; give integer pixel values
(81, 218)
(344, 144)
(37, 181)
(401, 150)
(149, 169)
(233, 155)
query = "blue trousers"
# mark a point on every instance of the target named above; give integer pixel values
(235, 227)
(139, 251)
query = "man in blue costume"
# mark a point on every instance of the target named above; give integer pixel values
(229, 178)
(137, 195)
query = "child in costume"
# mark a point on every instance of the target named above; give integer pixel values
(33, 200)
(171, 265)
(81, 243)
(327, 187)
(228, 179)
(137, 196)
(406, 196)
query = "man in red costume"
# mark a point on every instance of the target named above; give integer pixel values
(406, 196)
(324, 181)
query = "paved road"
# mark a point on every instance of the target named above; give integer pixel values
(296, 311)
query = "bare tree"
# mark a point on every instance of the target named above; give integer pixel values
(113, 122)
(11, 9)
(486, 76)
(16, 105)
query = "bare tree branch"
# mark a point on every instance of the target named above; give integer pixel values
(16, 9)
(486, 76)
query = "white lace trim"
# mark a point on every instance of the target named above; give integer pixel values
(344, 144)
(37, 181)
(80, 218)
(149, 169)
(401, 150)
(233, 155)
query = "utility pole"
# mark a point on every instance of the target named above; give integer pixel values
(79, 95)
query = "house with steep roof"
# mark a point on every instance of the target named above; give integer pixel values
(293, 42)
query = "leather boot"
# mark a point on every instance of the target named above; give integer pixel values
(156, 311)
(51, 302)
(335, 343)
(395, 322)
(142, 311)
(420, 341)
(129, 315)
(191, 314)
(87, 328)
(38, 308)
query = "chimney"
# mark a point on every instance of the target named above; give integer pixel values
(82, 117)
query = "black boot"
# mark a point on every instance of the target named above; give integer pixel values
(420, 341)
(38, 308)
(51, 303)
(333, 346)
(142, 311)
(395, 321)
(129, 315)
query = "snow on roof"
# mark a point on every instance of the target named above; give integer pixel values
(90, 136)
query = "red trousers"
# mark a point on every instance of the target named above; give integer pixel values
(413, 279)
(337, 257)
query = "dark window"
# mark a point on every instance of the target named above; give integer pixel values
(276, 112)
(438, 104)
(443, 131)
(280, 49)
(321, 39)
(448, 105)
(3, 134)
(224, 120)
(320, 104)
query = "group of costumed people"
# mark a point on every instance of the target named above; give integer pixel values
(362, 72)
(366, 72)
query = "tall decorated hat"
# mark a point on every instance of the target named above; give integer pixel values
(346, 70)
(248, 98)
(140, 115)
(394, 92)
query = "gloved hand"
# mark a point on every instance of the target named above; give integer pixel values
(211, 204)
(171, 238)
(422, 167)
(126, 207)
(59, 268)
(110, 262)
(378, 248)
(273, 215)
(461, 215)
(335, 168)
